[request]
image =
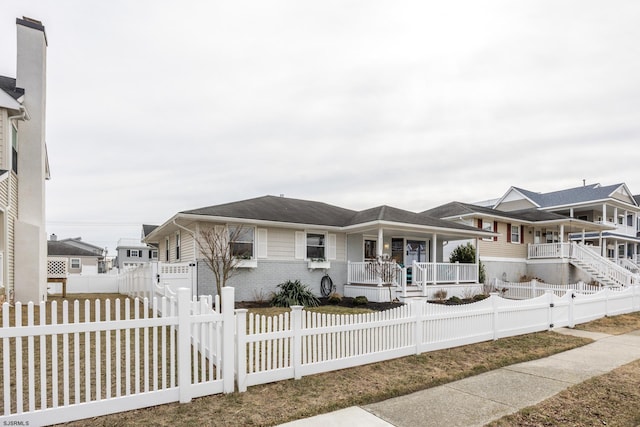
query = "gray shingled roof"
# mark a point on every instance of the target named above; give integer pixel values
(58, 248)
(147, 229)
(581, 194)
(280, 209)
(8, 84)
(296, 211)
(453, 209)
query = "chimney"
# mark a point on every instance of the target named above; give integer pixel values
(53, 238)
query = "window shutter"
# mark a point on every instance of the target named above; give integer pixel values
(495, 230)
(522, 234)
(480, 223)
(301, 245)
(508, 233)
(261, 245)
(128, 253)
(331, 249)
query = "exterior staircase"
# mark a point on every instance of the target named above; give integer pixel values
(606, 272)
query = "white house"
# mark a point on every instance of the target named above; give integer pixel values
(24, 169)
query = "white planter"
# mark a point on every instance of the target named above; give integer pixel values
(248, 263)
(319, 264)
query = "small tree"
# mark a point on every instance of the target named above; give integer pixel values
(467, 254)
(223, 248)
(384, 268)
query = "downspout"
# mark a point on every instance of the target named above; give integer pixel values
(24, 115)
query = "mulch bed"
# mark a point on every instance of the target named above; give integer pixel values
(346, 302)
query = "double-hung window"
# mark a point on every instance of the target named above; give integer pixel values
(178, 245)
(316, 246)
(75, 263)
(242, 241)
(515, 233)
(14, 149)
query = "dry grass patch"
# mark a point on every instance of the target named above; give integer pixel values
(612, 399)
(613, 325)
(275, 403)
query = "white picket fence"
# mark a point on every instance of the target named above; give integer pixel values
(119, 356)
(174, 348)
(303, 343)
(534, 288)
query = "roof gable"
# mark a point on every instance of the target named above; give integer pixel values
(61, 248)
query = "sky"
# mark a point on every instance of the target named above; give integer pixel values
(155, 107)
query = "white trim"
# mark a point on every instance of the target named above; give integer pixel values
(262, 246)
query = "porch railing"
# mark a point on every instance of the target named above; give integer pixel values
(429, 273)
(369, 273)
(549, 250)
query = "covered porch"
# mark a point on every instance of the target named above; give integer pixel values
(393, 262)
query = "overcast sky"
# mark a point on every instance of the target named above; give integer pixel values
(155, 107)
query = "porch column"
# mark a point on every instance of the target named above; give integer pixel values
(583, 231)
(478, 258)
(615, 215)
(615, 251)
(571, 212)
(561, 233)
(604, 212)
(434, 248)
(603, 247)
(600, 242)
(379, 252)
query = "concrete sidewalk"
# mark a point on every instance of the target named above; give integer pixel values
(480, 399)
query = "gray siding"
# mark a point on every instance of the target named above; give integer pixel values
(255, 283)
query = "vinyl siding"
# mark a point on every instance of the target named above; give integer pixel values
(515, 205)
(502, 248)
(12, 215)
(3, 138)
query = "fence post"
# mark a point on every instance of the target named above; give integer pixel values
(534, 285)
(228, 328)
(457, 272)
(296, 325)
(572, 297)
(494, 305)
(241, 349)
(184, 344)
(348, 272)
(417, 308)
(550, 296)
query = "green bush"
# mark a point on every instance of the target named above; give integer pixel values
(360, 300)
(454, 300)
(294, 293)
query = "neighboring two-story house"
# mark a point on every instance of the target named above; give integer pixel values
(81, 257)
(23, 169)
(292, 239)
(133, 252)
(537, 229)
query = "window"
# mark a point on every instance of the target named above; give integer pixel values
(166, 249)
(486, 226)
(241, 240)
(515, 234)
(14, 149)
(75, 263)
(133, 253)
(178, 245)
(315, 246)
(370, 249)
(153, 254)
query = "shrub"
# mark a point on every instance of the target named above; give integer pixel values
(463, 254)
(479, 297)
(294, 293)
(334, 298)
(360, 300)
(440, 294)
(454, 300)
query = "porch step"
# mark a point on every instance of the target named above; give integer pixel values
(594, 273)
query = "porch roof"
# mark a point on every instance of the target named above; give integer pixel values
(531, 216)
